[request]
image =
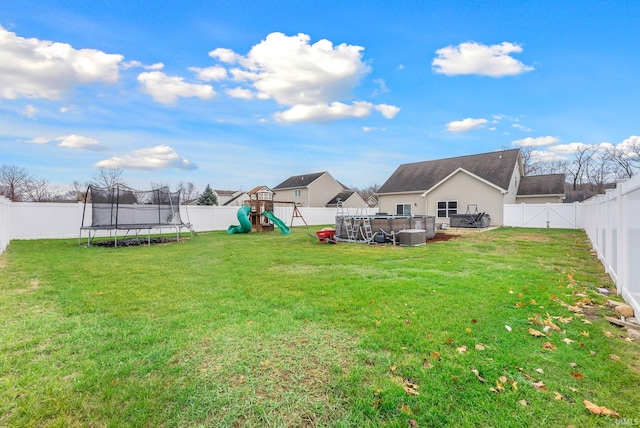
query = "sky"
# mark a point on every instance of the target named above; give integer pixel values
(237, 94)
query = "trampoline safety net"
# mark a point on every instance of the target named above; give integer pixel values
(121, 207)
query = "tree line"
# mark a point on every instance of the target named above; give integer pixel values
(18, 185)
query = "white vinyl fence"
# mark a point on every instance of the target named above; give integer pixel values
(554, 216)
(37, 220)
(612, 222)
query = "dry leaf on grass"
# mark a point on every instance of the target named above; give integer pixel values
(607, 333)
(523, 403)
(577, 375)
(599, 410)
(568, 341)
(404, 408)
(539, 385)
(536, 333)
(462, 349)
(585, 334)
(614, 357)
(480, 347)
(550, 346)
(557, 396)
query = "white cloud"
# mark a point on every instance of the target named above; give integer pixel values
(39, 140)
(324, 112)
(79, 142)
(465, 125)
(630, 146)
(242, 93)
(521, 127)
(476, 58)
(64, 109)
(225, 55)
(567, 149)
(30, 111)
(208, 74)
(33, 68)
(535, 142)
(371, 129)
(387, 111)
(152, 158)
(546, 156)
(166, 89)
(310, 79)
(138, 64)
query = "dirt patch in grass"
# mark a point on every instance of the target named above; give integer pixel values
(442, 237)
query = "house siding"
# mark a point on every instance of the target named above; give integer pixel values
(387, 203)
(539, 200)
(467, 190)
(323, 190)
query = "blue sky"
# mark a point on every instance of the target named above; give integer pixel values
(237, 94)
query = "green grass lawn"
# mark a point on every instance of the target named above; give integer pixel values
(273, 330)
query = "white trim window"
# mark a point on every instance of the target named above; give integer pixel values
(403, 209)
(447, 208)
(297, 193)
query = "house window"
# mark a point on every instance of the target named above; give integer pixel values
(403, 209)
(446, 208)
(297, 193)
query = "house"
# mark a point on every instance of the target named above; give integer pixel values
(224, 196)
(319, 189)
(476, 183)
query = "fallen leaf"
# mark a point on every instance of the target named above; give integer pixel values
(503, 379)
(532, 302)
(449, 340)
(614, 357)
(427, 364)
(499, 386)
(587, 321)
(628, 339)
(473, 321)
(574, 309)
(540, 371)
(479, 347)
(585, 334)
(568, 341)
(404, 408)
(539, 385)
(507, 327)
(592, 352)
(551, 325)
(523, 403)
(393, 368)
(577, 375)
(599, 410)
(413, 423)
(436, 355)
(462, 349)
(550, 346)
(468, 330)
(411, 388)
(607, 333)
(514, 385)
(573, 364)
(565, 320)
(477, 373)
(510, 291)
(557, 396)
(536, 333)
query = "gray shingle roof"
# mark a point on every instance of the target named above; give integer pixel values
(342, 195)
(298, 181)
(495, 167)
(551, 184)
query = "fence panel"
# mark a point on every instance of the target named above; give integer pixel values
(555, 216)
(5, 237)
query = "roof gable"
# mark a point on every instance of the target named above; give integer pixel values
(298, 181)
(342, 196)
(495, 168)
(464, 171)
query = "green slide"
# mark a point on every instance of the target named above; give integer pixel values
(275, 220)
(243, 218)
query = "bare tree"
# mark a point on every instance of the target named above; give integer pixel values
(578, 167)
(78, 191)
(189, 191)
(626, 160)
(599, 170)
(40, 190)
(108, 177)
(13, 182)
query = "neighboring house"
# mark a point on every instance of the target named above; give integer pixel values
(317, 190)
(225, 196)
(483, 182)
(236, 200)
(372, 201)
